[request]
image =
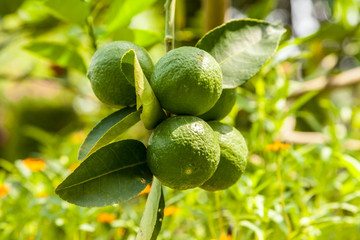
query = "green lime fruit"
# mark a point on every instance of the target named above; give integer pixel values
(232, 159)
(183, 152)
(187, 80)
(222, 107)
(107, 80)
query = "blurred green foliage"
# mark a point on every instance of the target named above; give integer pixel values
(47, 108)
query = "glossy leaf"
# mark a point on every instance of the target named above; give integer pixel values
(241, 47)
(61, 54)
(127, 67)
(108, 129)
(114, 173)
(153, 215)
(122, 11)
(73, 11)
(152, 113)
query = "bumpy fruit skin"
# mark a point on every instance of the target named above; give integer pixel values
(222, 107)
(183, 152)
(107, 80)
(232, 159)
(187, 80)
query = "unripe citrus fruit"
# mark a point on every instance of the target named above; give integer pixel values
(107, 80)
(222, 107)
(187, 80)
(183, 152)
(232, 159)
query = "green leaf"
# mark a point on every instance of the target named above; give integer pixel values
(122, 11)
(141, 37)
(153, 215)
(114, 173)
(127, 67)
(152, 113)
(241, 47)
(73, 11)
(108, 129)
(145, 38)
(61, 54)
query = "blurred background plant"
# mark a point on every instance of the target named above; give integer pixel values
(300, 116)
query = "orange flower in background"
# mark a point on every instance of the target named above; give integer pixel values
(4, 190)
(276, 146)
(34, 164)
(73, 167)
(171, 210)
(146, 190)
(106, 217)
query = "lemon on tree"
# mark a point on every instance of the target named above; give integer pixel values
(183, 152)
(222, 107)
(107, 80)
(233, 157)
(187, 80)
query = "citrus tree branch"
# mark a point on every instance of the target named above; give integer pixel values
(170, 24)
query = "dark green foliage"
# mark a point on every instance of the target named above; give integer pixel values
(241, 47)
(114, 173)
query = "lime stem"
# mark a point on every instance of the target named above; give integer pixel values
(170, 24)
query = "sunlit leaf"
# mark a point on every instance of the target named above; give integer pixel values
(152, 113)
(114, 173)
(141, 37)
(122, 11)
(153, 215)
(73, 11)
(241, 47)
(59, 53)
(127, 67)
(108, 129)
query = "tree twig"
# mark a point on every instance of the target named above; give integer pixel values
(288, 134)
(346, 78)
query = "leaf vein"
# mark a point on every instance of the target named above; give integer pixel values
(101, 175)
(238, 53)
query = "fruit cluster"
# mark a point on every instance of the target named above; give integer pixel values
(191, 148)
